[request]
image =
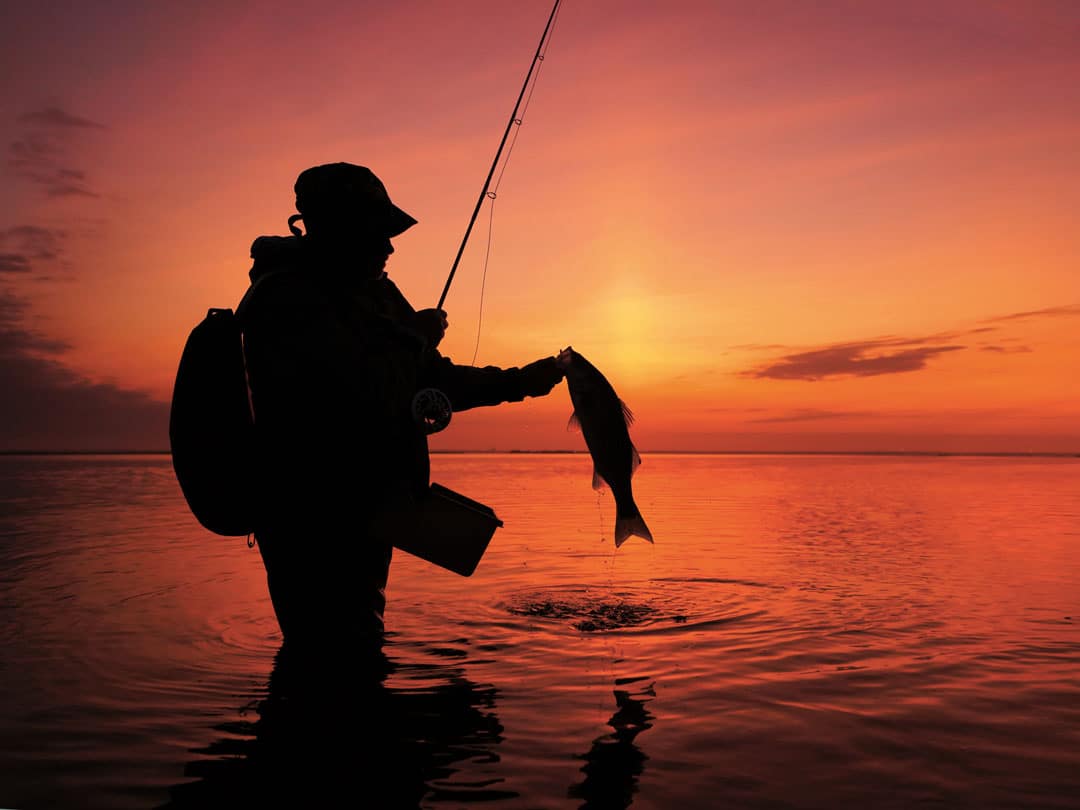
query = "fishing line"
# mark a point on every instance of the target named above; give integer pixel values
(483, 282)
(493, 194)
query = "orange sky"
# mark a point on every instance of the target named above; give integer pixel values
(778, 225)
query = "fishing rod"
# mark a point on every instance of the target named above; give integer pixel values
(539, 57)
(431, 408)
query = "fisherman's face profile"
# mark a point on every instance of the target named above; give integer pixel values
(373, 254)
(367, 250)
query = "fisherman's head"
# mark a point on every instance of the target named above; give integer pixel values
(346, 207)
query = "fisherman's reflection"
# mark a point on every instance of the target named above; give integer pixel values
(614, 763)
(335, 734)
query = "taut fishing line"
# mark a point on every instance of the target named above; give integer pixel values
(493, 194)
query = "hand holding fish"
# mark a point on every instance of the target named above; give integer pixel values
(539, 377)
(604, 420)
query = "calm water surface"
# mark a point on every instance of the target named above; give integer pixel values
(806, 632)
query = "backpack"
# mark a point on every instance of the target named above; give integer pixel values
(211, 424)
(211, 428)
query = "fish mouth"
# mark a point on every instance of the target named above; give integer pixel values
(564, 357)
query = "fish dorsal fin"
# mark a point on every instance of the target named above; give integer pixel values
(628, 415)
(597, 481)
(635, 459)
(574, 423)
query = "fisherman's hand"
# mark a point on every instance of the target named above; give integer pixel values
(432, 325)
(537, 379)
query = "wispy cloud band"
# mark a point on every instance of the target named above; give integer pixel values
(44, 153)
(863, 359)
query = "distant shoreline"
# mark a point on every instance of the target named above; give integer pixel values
(902, 453)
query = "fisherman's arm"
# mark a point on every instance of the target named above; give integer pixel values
(470, 386)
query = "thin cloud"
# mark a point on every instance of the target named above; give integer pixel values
(891, 354)
(33, 151)
(887, 340)
(864, 359)
(44, 153)
(23, 247)
(14, 263)
(15, 337)
(1006, 349)
(812, 415)
(1068, 311)
(954, 334)
(35, 241)
(55, 117)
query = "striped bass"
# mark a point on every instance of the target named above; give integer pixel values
(604, 421)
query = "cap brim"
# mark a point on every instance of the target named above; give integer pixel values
(397, 221)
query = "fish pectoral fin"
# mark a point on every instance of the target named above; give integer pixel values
(574, 422)
(597, 481)
(628, 414)
(635, 459)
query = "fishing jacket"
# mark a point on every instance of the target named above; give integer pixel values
(333, 364)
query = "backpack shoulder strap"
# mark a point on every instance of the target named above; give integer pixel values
(245, 302)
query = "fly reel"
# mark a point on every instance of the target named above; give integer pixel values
(432, 410)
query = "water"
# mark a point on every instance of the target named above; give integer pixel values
(806, 632)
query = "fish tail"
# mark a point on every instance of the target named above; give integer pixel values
(630, 525)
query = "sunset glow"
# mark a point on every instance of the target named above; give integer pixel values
(773, 226)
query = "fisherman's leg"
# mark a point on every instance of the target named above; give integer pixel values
(326, 592)
(282, 580)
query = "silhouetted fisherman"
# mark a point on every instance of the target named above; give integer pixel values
(335, 355)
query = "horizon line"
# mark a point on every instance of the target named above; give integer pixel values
(491, 452)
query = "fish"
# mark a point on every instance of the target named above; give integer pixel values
(604, 421)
